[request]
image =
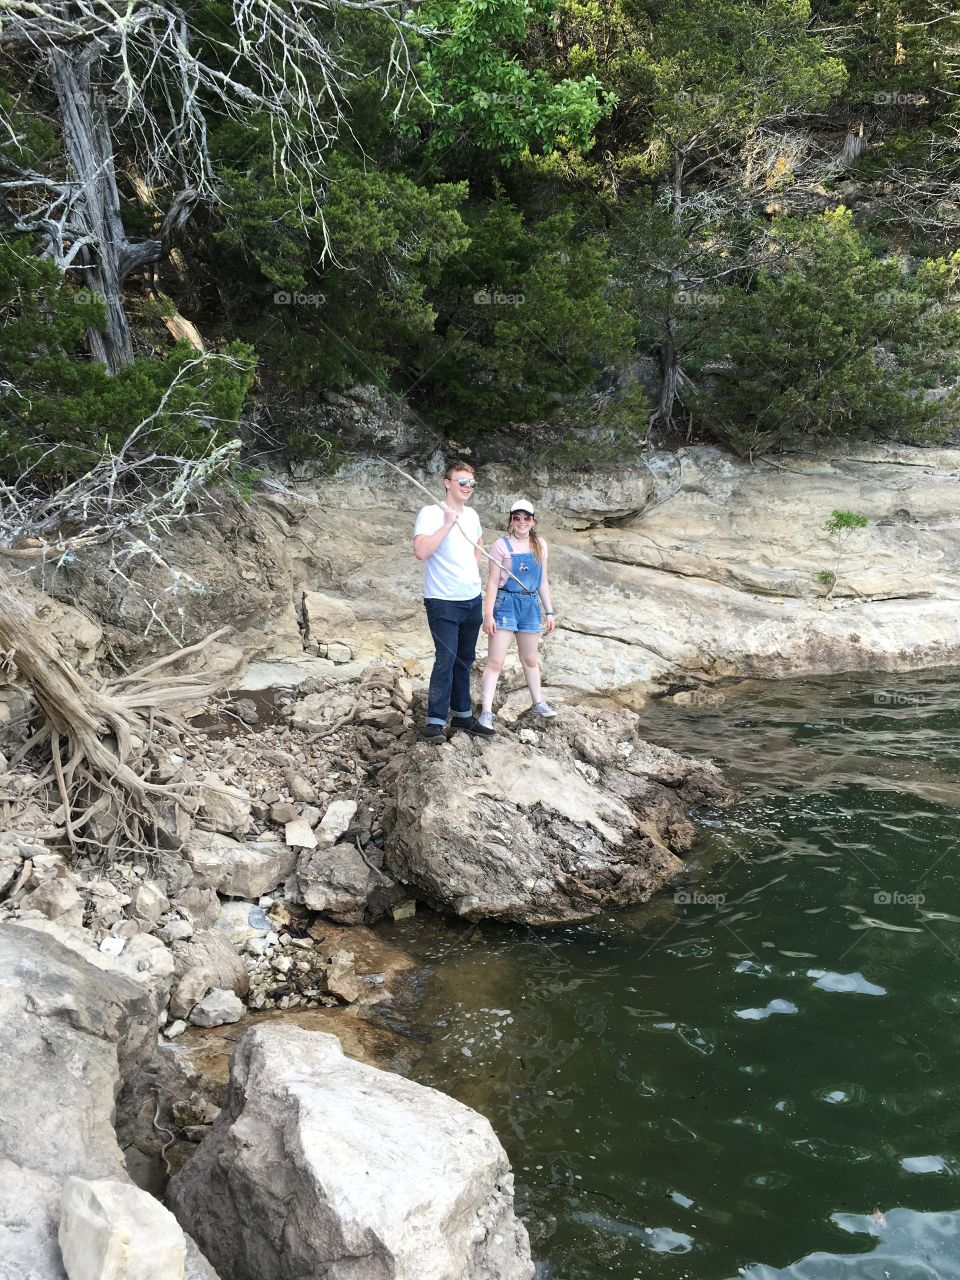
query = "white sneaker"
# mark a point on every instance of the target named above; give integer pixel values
(543, 710)
(486, 719)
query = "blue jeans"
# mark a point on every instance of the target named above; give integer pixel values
(454, 625)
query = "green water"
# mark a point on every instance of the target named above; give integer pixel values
(762, 1077)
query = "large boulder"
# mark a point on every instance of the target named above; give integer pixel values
(76, 1057)
(111, 1230)
(141, 958)
(90, 1029)
(320, 1165)
(29, 1216)
(543, 828)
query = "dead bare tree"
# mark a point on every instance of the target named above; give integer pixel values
(147, 67)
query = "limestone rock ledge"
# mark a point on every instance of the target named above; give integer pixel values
(320, 1165)
(544, 826)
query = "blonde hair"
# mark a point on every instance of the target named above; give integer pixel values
(535, 542)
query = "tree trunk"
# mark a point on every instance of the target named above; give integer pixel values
(669, 374)
(854, 145)
(667, 354)
(88, 147)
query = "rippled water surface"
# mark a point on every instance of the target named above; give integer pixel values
(758, 1072)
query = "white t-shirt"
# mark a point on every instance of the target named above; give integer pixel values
(452, 572)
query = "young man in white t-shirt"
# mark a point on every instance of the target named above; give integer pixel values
(447, 538)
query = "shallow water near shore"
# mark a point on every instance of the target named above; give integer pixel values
(758, 1070)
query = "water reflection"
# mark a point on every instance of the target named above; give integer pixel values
(909, 1246)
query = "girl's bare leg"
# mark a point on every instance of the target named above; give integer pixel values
(528, 645)
(497, 646)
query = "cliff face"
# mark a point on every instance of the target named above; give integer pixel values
(689, 566)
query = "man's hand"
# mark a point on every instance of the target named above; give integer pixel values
(425, 544)
(489, 627)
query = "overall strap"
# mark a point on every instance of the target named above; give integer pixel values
(520, 590)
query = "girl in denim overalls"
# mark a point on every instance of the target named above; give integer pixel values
(512, 607)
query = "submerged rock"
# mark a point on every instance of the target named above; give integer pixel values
(319, 1165)
(591, 818)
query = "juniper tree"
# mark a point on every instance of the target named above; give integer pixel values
(152, 75)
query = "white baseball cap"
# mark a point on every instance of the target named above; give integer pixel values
(523, 504)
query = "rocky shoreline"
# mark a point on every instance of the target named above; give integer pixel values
(250, 933)
(321, 817)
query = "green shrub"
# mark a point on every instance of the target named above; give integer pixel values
(60, 410)
(832, 340)
(527, 315)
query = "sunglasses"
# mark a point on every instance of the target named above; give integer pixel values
(522, 515)
(467, 484)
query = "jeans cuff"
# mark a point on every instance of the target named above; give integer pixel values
(462, 715)
(435, 720)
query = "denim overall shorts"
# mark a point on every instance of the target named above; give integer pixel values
(514, 609)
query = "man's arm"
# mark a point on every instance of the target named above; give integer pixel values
(425, 544)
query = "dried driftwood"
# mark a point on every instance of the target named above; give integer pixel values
(99, 745)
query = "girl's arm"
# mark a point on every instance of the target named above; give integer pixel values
(545, 598)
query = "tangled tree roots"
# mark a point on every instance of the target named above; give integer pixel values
(102, 747)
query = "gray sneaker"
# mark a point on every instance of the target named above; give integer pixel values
(544, 710)
(486, 719)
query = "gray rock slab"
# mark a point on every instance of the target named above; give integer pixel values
(237, 869)
(321, 1165)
